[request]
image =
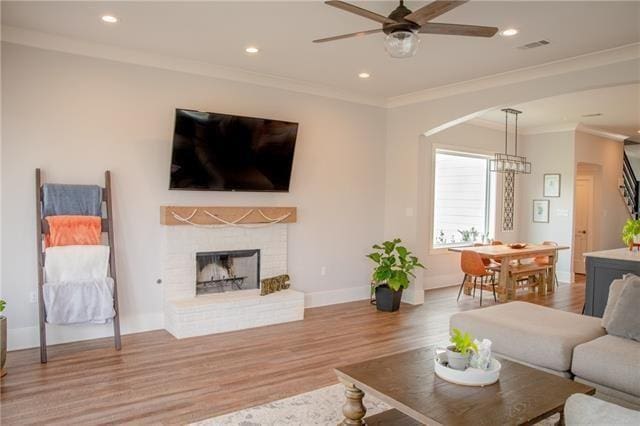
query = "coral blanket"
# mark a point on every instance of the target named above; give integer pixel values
(73, 231)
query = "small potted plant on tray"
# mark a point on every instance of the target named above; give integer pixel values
(394, 266)
(631, 233)
(459, 353)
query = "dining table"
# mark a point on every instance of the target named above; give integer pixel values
(510, 259)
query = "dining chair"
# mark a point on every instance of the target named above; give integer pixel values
(498, 260)
(545, 261)
(473, 267)
(486, 261)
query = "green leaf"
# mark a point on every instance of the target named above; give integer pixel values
(402, 251)
(388, 247)
(394, 283)
(375, 257)
(382, 275)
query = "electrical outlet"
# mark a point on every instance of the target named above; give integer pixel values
(323, 271)
(33, 297)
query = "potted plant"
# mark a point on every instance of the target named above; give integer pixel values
(459, 353)
(3, 339)
(631, 232)
(394, 266)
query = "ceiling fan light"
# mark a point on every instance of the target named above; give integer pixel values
(401, 44)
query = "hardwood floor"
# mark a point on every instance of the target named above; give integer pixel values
(159, 379)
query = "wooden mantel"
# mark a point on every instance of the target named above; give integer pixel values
(229, 214)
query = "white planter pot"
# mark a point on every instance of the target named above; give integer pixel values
(456, 360)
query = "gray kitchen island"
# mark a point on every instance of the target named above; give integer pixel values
(602, 267)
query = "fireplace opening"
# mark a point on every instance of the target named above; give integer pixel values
(222, 271)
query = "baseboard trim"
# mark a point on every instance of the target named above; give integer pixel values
(444, 280)
(565, 277)
(29, 337)
(332, 297)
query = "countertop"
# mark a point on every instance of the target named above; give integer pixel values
(618, 254)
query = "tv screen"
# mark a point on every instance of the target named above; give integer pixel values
(220, 152)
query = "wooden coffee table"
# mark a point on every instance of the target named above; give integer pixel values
(406, 382)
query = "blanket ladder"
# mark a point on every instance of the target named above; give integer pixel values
(42, 228)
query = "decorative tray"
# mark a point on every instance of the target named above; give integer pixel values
(518, 245)
(468, 377)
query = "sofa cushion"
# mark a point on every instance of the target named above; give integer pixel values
(530, 333)
(584, 410)
(611, 361)
(625, 318)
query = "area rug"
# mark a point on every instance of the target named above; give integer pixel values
(318, 407)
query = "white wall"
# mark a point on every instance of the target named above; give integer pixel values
(549, 153)
(444, 266)
(76, 116)
(610, 213)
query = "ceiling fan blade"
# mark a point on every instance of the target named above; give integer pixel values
(458, 29)
(432, 11)
(361, 12)
(340, 37)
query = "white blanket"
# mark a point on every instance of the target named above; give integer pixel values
(88, 301)
(75, 263)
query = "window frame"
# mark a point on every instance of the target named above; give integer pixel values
(492, 184)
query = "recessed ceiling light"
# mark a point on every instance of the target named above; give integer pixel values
(364, 75)
(252, 49)
(509, 32)
(109, 19)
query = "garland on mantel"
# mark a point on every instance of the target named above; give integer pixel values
(236, 223)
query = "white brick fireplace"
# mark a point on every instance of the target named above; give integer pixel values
(189, 315)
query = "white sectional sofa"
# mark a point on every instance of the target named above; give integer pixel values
(562, 343)
(584, 410)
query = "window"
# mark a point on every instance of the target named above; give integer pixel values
(462, 189)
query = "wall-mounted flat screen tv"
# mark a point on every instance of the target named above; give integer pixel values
(221, 152)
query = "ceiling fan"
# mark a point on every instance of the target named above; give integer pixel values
(402, 25)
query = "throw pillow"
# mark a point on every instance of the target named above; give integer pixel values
(625, 318)
(614, 294)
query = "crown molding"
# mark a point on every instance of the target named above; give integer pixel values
(102, 51)
(552, 128)
(84, 48)
(493, 125)
(603, 134)
(590, 60)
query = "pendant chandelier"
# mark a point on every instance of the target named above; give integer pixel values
(507, 163)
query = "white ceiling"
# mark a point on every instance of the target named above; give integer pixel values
(218, 32)
(619, 105)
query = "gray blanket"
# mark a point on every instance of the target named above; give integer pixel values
(85, 200)
(79, 302)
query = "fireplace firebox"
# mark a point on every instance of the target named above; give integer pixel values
(222, 271)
